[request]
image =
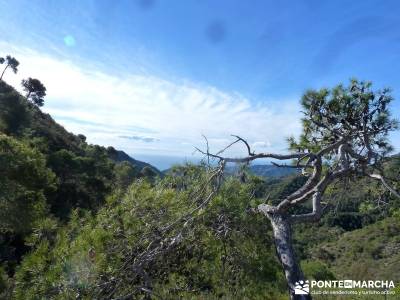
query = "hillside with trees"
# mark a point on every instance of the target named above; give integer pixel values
(47, 172)
(81, 221)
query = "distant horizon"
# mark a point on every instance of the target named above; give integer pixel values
(164, 162)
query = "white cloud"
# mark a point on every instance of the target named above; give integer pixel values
(173, 114)
(261, 144)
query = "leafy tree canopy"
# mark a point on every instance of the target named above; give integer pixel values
(11, 62)
(355, 111)
(24, 179)
(35, 90)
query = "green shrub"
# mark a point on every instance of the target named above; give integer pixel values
(316, 270)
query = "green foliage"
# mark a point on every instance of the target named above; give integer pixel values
(329, 114)
(185, 178)
(316, 270)
(361, 201)
(113, 211)
(84, 180)
(5, 284)
(35, 90)
(85, 173)
(14, 112)
(125, 174)
(120, 156)
(24, 182)
(24, 179)
(364, 254)
(10, 62)
(281, 188)
(148, 172)
(226, 253)
(45, 171)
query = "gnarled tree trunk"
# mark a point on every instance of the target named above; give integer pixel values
(284, 249)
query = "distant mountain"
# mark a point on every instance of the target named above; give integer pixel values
(272, 171)
(266, 170)
(120, 156)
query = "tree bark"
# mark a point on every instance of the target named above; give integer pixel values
(1, 77)
(284, 249)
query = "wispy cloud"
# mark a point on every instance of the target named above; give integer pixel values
(139, 138)
(261, 144)
(131, 111)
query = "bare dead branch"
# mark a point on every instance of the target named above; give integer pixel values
(385, 184)
(316, 213)
(297, 166)
(227, 147)
(245, 142)
(318, 192)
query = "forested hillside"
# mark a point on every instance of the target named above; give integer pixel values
(47, 172)
(80, 221)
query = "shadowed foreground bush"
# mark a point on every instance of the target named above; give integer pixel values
(224, 253)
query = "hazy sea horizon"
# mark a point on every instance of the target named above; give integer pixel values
(164, 162)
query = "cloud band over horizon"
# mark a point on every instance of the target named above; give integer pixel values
(147, 114)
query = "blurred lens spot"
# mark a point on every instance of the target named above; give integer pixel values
(216, 32)
(69, 41)
(145, 4)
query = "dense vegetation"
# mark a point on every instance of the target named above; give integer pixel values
(76, 221)
(46, 172)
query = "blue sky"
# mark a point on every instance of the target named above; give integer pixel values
(151, 76)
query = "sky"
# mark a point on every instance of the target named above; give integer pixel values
(151, 77)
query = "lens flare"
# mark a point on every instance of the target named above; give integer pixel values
(69, 41)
